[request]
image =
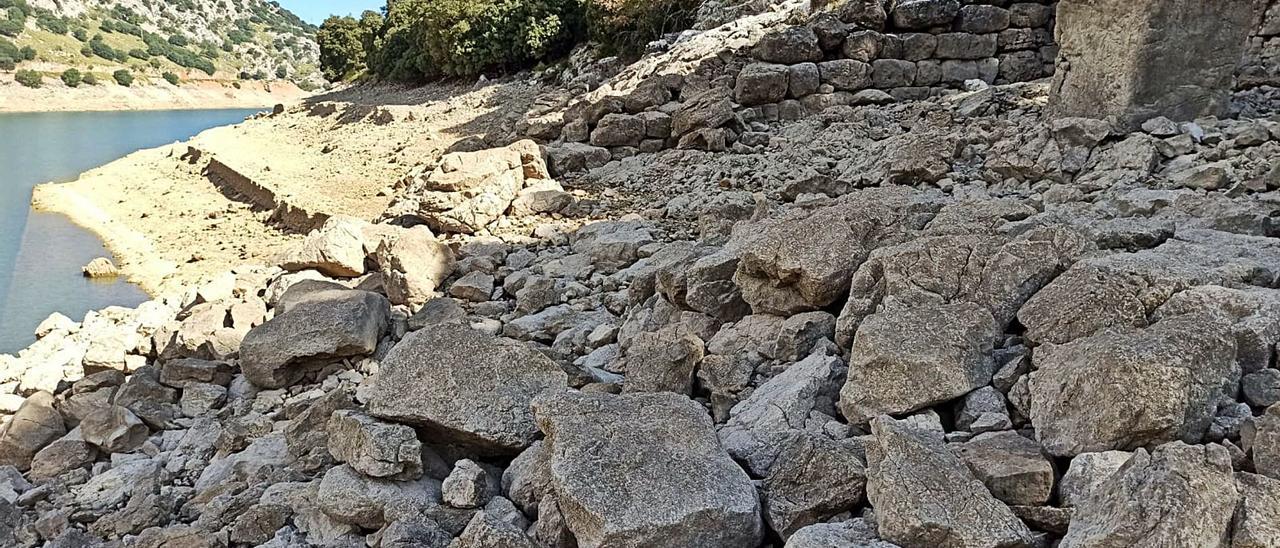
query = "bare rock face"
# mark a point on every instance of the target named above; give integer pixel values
(645, 470)
(1087, 473)
(780, 406)
(114, 430)
(1266, 442)
(855, 533)
(925, 496)
(466, 387)
(336, 249)
(1128, 390)
(908, 359)
(1178, 495)
(373, 447)
(663, 361)
(1011, 466)
(35, 425)
(1257, 519)
(1166, 68)
(327, 325)
(813, 479)
(413, 264)
(804, 260)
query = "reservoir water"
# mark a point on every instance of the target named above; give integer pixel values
(41, 253)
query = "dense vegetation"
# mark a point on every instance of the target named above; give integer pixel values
(423, 39)
(72, 78)
(123, 77)
(29, 78)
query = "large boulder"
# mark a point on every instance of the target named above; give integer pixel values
(904, 360)
(336, 249)
(804, 259)
(1178, 495)
(1133, 389)
(413, 264)
(1257, 519)
(780, 406)
(114, 430)
(35, 425)
(645, 470)
(1164, 67)
(466, 387)
(813, 479)
(925, 496)
(1264, 442)
(328, 325)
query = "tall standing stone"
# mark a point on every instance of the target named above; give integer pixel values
(1138, 59)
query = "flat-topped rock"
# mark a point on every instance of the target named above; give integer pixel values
(328, 325)
(645, 470)
(468, 387)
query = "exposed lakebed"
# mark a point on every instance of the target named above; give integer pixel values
(41, 253)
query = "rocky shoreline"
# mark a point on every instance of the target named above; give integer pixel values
(958, 320)
(198, 95)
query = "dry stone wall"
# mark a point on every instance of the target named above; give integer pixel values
(1261, 63)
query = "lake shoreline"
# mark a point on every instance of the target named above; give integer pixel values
(54, 96)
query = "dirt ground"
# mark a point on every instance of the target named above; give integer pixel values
(170, 225)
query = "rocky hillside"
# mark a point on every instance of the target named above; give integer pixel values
(196, 39)
(724, 301)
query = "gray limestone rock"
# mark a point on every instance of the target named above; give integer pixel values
(1178, 495)
(465, 387)
(908, 359)
(1087, 473)
(645, 470)
(1011, 466)
(1257, 518)
(35, 425)
(813, 479)
(925, 496)
(327, 326)
(373, 447)
(1132, 389)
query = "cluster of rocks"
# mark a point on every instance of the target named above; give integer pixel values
(1261, 65)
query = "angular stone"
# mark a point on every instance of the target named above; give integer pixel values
(618, 130)
(781, 405)
(1167, 67)
(1129, 390)
(413, 264)
(813, 479)
(1178, 495)
(908, 359)
(845, 74)
(855, 533)
(1088, 473)
(35, 425)
(925, 496)
(373, 447)
(468, 486)
(959, 45)
(663, 361)
(692, 494)
(348, 497)
(788, 46)
(180, 373)
(1266, 443)
(65, 454)
(707, 110)
(760, 83)
(981, 19)
(1262, 388)
(465, 387)
(803, 80)
(307, 435)
(329, 325)
(476, 287)
(335, 249)
(1011, 466)
(1257, 519)
(922, 14)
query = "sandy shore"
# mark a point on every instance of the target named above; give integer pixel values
(54, 96)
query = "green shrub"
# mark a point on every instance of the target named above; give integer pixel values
(9, 27)
(171, 78)
(90, 79)
(72, 78)
(7, 49)
(27, 53)
(7, 63)
(179, 40)
(81, 34)
(101, 49)
(29, 78)
(139, 53)
(626, 26)
(52, 23)
(123, 77)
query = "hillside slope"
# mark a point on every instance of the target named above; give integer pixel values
(195, 40)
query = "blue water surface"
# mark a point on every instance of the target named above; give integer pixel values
(41, 253)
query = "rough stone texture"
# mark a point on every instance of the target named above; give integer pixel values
(761, 83)
(783, 404)
(1128, 390)
(1011, 466)
(803, 260)
(1087, 473)
(327, 325)
(373, 447)
(465, 386)
(1178, 495)
(1266, 443)
(335, 249)
(468, 486)
(855, 533)
(35, 425)
(663, 361)
(413, 264)
(813, 479)
(925, 496)
(1257, 519)
(114, 430)
(645, 470)
(1166, 68)
(908, 359)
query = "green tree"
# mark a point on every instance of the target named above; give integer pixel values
(627, 26)
(72, 78)
(171, 78)
(29, 78)
(123, 77)
(27, 53)
(341, 49)
(90, 79)
(7, 63)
